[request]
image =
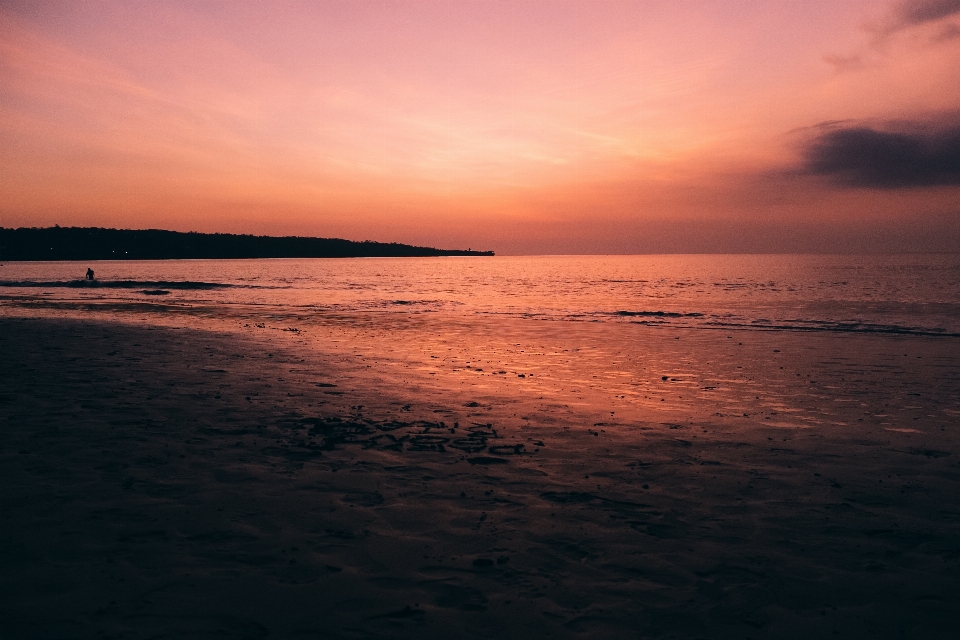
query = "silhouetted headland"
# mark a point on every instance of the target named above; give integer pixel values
(94, 243)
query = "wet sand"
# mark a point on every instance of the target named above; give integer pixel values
(533, 479)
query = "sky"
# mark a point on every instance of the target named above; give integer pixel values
(520, 126)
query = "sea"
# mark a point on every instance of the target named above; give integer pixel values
(906, 294)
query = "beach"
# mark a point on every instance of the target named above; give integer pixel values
(437, 476)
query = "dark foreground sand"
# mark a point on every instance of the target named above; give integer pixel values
(159, 482)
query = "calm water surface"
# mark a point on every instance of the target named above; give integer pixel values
(917, 293)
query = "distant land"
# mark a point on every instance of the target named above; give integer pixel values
(94, 243)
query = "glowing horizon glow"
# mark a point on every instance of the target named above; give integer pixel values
(528, 126)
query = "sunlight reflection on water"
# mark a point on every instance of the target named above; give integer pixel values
(885, 294)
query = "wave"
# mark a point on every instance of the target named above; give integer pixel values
(727, 321)
(114, 284)
(833, 327)
(658, 314)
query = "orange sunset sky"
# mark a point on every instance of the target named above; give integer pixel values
(519, 126)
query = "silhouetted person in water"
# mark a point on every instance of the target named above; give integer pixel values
(89, 273)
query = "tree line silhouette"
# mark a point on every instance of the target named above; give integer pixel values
(94, 243)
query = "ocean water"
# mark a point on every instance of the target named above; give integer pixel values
(694, 446)
(898, 294)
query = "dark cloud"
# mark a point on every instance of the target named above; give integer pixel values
(911, 12)
(860, 156)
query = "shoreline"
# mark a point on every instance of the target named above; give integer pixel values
(190, 480)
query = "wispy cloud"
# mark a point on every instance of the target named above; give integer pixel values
(932, 19)
(864, 156)
(844, 63)
(949, 32)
